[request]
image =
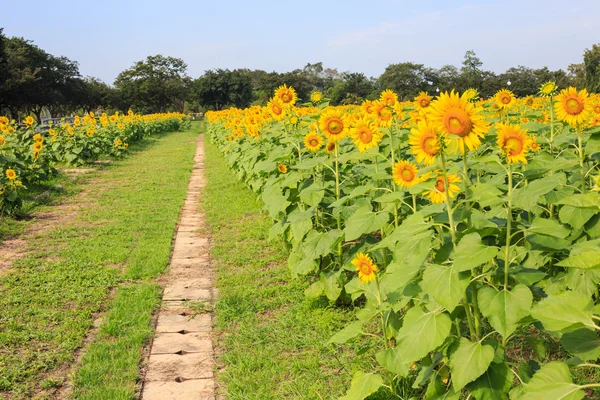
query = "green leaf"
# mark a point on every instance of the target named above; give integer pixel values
(349, 332)
(313, 194)
(528, 197)
(363, 385)
(576, 216)
(471, 253)
(585, 260)
(563, 311)
(583, 343)
(319, 244)
(310, 163)
(469, 362)
(548, 227)
(493, 384)
(413, 229)
(445, 285)
(300, 223)
(421, 333)
(331, 286)
(275, 201)
(301, 265)
(505, 308)
(392, 360)
(364, 220)
(552, 381)
(315, 290)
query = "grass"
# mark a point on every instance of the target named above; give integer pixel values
(119, 238)
(272, 340)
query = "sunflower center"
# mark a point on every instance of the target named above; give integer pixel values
(439, 185)
(276, 110)
(430, 145)
(407, 174)
(285, 97)
(457, 122)
(513, 146)
(385, 114)
(424, 103)
(597, 109)
(335, 126)
(366, 136)
(365, 268)
(314, 142)
(505, 100)
(573, 106)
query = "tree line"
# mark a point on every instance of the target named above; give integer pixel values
(32, 80)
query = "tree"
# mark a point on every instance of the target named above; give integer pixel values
(221, 88)
(591, 67)
(471, 74)
(353, 88)
(577, 74)
(155, 85)
(407, 79)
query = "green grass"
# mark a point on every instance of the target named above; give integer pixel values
(273, 340)
(120, 238)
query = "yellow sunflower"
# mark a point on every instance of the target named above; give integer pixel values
(368, 107)
(573, 107)
(37, 146)
(282, 168)
(286, 94)
(471, 94)
(423, 100)
(439, 193)
(534, 145)
(275, 107)
(365, 134)
(383, 113)
(316, 97)
(389, 98)
(405, 174)
(548, 89)
(365, 267)
(313, 141)
(38, 138)
(2, 140)
(29, 121)
(596, 107)
(424, 143)
(514, 141)
(455, 116)
(330, 147)
(333, 124)
(505, 99)
(11, 174)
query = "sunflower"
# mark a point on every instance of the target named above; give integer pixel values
(293, 120)
(286, 94)
(4, 120)
(534, 145)
(330, 147)
(118, 142)
(548, 89)
(38, 138)
(29, 121)
(388, 97)
(424, 143)
(365, 267)
(275, 107)
(573, 107)
(505, 99)
(365, 134)
(11, 174)
(596, 107)
(333, 124)
(471, 94)
(383, 113)
(439, 193)
(282, 168)
(453, 115)
(316, 97)
(405, 174)
(37, 146)
(514, 141)
(2, 140)
(313, 141)
(368, 107)
(423, 100)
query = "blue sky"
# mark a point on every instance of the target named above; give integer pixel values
(360, 36)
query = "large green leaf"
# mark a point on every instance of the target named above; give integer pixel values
(585, 260)
(493, 384)
(413, 229)
(583, 343)
(528, 197)
(313, 194)
(393, 361)
(553, 381)
(364, 220)
(471, 253)
(275, 201)
(505, 308)
(300, 264)
(363, 385)
(548, 227)
(319, 244)
(469, 362)
(445, 285)
(349, 332)
(563, 311)
(576, 216)
(300, 223)
(421, 333)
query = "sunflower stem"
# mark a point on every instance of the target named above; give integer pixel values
(414, 202)
(393, 185)
(337, 196)
(581, 159)
(508, 227)
(551, 125)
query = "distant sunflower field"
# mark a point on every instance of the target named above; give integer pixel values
(29, 155)
(466, 232)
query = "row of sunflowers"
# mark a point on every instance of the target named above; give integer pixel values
(466, 232)
(28, 155)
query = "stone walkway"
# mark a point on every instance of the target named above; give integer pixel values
(181, 357)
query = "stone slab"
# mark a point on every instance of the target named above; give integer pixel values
(169, 367)
(173, 323)
(171, 343)
(198, 389)
(192, 290)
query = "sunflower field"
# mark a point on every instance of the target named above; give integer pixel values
(29, 155)
(465, 232)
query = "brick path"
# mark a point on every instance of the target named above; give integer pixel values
(181, 357)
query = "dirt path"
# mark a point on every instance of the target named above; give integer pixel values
(181, 362)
